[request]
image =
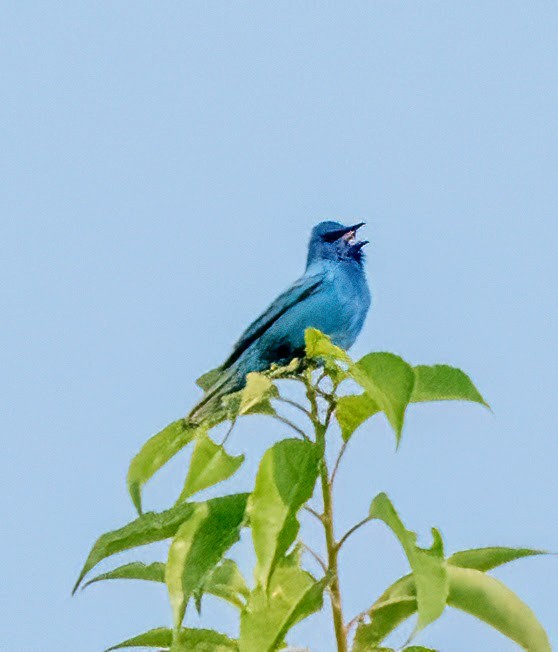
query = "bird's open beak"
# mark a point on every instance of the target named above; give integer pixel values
(347, 232)
(350, 236)
(357, 246)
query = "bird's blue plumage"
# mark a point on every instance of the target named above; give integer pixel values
(332, 295)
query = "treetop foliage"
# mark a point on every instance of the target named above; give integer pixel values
(293, 479)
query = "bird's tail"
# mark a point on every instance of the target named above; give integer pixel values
(211, 404)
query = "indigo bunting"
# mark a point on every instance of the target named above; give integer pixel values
(332, 295)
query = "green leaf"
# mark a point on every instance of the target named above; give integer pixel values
(428, 565)
(209, 378)
(137, 570)
(320, 348)
(155, 453)
(443, 383)
(319, 345)
(284, 482)
(256, 396)
(188, 640)
(226, 582)
(148, 528)
(203, 640)
(352, 411)
(484, 559)
(471, 591)
(489, 600)
(160, 637)
(394, 606)
(293, 595)
(199, 545)
(292, 370)
(210, 464)
(388, 380)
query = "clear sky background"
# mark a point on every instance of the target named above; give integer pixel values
(163, 164)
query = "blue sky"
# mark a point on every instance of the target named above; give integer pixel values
(163, 164)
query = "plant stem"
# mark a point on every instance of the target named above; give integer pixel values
(356, 619)
(327, 516)
(338, 461)
(298, 406)
(332, 550)
(229, 431)
(315, 555)
(352, 530)
(313, 512)
(292, 425)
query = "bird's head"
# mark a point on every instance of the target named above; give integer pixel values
(333, 241)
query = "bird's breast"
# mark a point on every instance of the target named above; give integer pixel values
(350, 306)
(338, 308)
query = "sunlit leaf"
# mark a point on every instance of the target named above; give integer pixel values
(199, 545)
(319, 345)
(209, 378)
(352, 411)
(393, 607)
(391, 383)
(226, 582)
(428, 565)
(155, 453)
(148, 528)
(484, 559)
(290, 370)
(160, 638)
(471, 591)
(388, 380)
(332, 358)
(284, 482)
(257, 394)
(203, 640)
(443, 383)
(489, 600)
(210, 464)
(136, 570)
(292, 596)
(188, 640)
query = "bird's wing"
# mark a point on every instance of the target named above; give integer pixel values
(301, 290)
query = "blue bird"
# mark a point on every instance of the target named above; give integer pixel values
(332, 295)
